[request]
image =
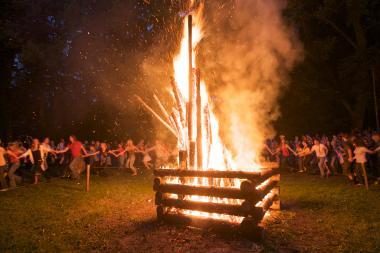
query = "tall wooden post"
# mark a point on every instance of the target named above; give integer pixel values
(199, 120)
(191, 95)
(88, 177)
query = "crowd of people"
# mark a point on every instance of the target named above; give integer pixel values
(35, 159)
(355, 155)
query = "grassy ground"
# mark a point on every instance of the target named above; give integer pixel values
(118, 215)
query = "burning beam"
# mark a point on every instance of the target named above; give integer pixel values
(248, 228)
(231, 193)
(178, 99)
(230, 209)
(164, 112)
(256, 176)
(199, 120)
(156, 115)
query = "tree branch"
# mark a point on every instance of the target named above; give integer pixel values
(337, 29)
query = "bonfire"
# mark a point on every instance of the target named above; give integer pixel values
(208, 186)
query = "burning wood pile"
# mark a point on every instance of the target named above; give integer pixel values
(207, 188)
(192, 203)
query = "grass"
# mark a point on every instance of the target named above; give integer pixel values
(118, 215)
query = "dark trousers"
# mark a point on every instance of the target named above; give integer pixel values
(3, 182)
(12, 176)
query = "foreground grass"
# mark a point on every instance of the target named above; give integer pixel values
(326, 215)
(317, 216)
(61, 216)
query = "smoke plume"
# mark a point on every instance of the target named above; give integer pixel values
(246, 55)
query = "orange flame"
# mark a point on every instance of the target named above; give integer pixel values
(215, 155)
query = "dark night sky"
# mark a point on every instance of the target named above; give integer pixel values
(72, 66)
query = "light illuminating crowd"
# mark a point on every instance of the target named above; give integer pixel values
(32, 158)
(355, 155)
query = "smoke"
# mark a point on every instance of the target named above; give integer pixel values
(246, 56)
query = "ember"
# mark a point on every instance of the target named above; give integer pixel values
(208, 186)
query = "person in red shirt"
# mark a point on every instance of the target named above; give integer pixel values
(284, 152)
(76, 148)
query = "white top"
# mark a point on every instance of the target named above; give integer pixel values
(360, 154)
(320, 150)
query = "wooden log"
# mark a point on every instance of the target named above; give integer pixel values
(156, 115)
(88, 168)
(266, 203)
(190, 78)
(179, 102)
(232, 193)
(164, 112)
(264, 190)
(276, 203)
(247, 186)
(221, 208)
(256, 176)
(199, 120)
(191, 154)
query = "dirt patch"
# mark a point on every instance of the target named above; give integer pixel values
(154, 237)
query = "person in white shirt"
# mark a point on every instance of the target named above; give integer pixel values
(360, 158)
(321, 153)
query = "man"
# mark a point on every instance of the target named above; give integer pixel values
(76, 148)
(321, 153)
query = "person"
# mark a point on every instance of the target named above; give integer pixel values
(284, 151)
(360, 158)
(121, 158)
(320, 151)
(77, 164)
(376, 139)
(3, 168)
(131, 149)
(145, 149)
(61, 146)
(37, 155)
(91, 158)
(347, 157)
(46, 150)
(14, 150)
(302, 153)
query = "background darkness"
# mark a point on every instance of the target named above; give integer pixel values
(73, 66)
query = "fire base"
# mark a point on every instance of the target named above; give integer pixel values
(234, 209)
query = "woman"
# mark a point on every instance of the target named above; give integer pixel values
(131, 149)
(360, 158)
(147, 158)
(35, 155)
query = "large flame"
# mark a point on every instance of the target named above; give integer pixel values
(215, 155)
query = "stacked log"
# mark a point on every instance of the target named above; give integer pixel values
(257, 193)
